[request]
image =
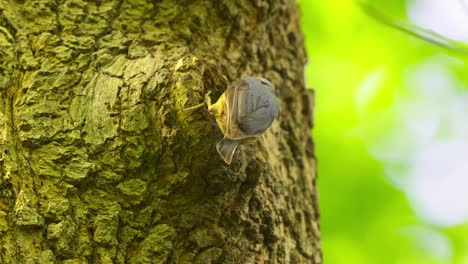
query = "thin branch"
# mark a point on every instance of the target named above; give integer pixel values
(413, 30)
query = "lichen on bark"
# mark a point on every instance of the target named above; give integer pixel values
(100, 164)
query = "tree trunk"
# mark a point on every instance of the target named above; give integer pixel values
(98, 162)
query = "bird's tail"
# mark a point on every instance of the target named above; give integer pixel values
(226, 148)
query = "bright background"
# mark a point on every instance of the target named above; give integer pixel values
(391, 131)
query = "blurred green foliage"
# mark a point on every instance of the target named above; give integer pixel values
(364, 217)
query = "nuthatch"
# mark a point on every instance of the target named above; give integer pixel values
(243, 112)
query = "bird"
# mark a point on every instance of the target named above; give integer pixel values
(243, 112)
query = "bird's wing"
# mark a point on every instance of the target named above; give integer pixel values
(263, 110)
(235, 104)
(251, 110)
(256, 122)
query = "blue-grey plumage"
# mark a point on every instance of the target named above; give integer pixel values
(244, 111)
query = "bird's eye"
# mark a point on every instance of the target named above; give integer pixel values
(265, 83)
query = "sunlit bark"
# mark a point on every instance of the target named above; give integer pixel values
(98, 162)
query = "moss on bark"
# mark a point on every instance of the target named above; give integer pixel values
(98, 162)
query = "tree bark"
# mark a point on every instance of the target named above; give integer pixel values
(100, 164)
